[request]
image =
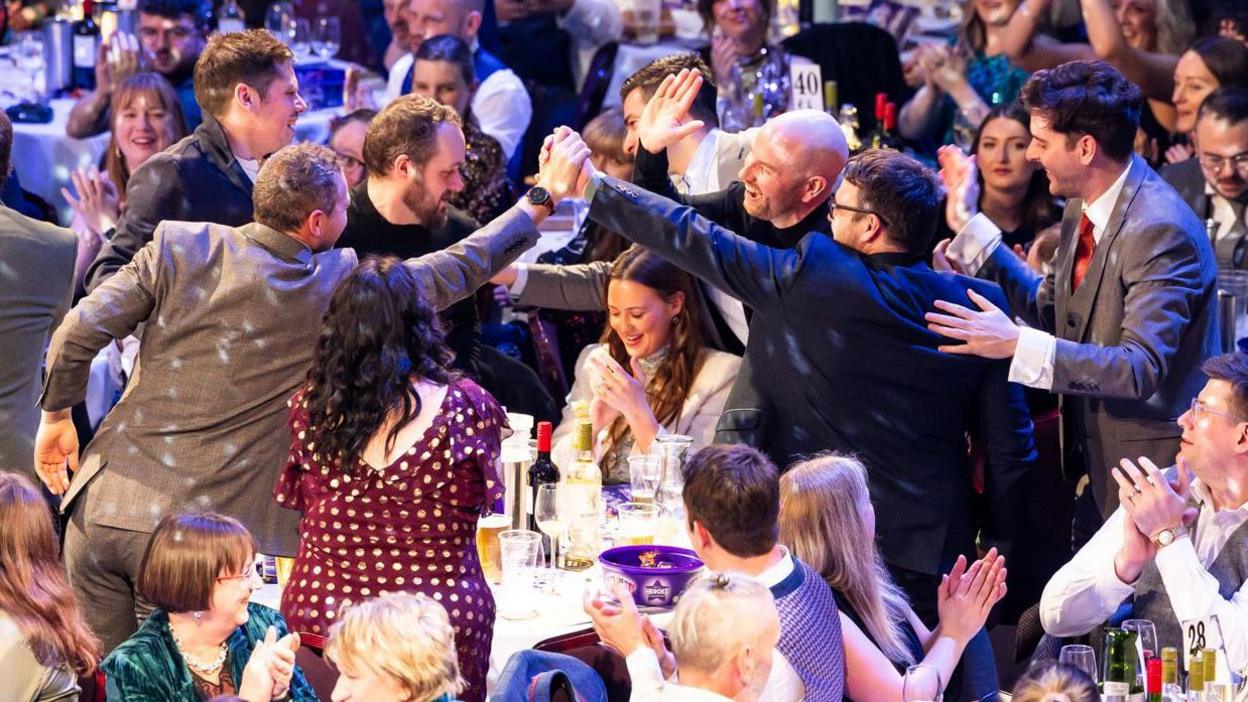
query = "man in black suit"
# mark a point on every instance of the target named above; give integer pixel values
(245, 82)
(1215, 181)
(839, 356)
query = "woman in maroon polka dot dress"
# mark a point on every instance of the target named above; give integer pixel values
(391, 462)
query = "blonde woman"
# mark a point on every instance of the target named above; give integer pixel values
(827, 521)
(1055, 682)
(399, 647)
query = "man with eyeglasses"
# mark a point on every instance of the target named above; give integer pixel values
(1176, 551)
(171, 35)
(838, 356)
(1215, 183)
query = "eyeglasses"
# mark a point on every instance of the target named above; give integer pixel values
(253, 571)
(1199, 408)
(834, 206)
(347, 162)
(1214, 162)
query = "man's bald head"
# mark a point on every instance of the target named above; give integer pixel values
(794, 165)
(430, 18)
(812, 140)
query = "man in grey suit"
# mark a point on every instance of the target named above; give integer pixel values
(36, 283)
(1121, 326)
(1215, 181)
(231, 321)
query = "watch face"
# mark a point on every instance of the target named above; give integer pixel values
(538, 195)
(1165, 537)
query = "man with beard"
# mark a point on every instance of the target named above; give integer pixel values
(413, 152)
(172, 34)
(245, 82)
(1215, 183)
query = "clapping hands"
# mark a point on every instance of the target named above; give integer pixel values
(269, 671)
(116, 60)
(967, 595)
(98, 204)
(959, 173)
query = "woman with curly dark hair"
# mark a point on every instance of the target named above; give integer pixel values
(651, 374)
(44, 642)
(391, 462)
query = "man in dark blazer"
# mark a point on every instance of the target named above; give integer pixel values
(36, 283)
(839, 357)
(1122, 325)
(1215, 181)
(232, 315)
(245, 82)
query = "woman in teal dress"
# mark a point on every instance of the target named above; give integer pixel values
(206, 638)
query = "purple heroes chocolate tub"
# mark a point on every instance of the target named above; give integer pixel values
(658, 586)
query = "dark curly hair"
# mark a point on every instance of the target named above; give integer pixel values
(378, 335)
(1087, 97)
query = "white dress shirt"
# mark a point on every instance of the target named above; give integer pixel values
(1220, 212)
(1086, 591)
(649, 685)
(501, 105)
(1032, 364)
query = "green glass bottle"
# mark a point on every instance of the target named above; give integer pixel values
(1121, 674)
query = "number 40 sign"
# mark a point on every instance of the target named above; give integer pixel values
(807, 82)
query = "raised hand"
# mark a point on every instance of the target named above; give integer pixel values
(1150, 500)
(618, 624)
(562, 164)
(116, 60)
(258, 683)
(56, 450)
(98, 203)
(959, 173)
(282, 663)
(665, 120)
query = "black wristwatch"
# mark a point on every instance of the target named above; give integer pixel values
(540, 197)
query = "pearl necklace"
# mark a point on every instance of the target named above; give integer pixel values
(210, 669)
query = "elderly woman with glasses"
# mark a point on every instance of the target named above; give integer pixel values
(206, 638)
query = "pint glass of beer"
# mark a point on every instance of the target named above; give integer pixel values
(488, 529)
(637, 522)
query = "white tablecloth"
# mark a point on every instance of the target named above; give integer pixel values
(559, 611)
(44, 156)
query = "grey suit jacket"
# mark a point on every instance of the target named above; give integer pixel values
(1189, 180)
(1131, 339)
(36, 284)
(232, 316)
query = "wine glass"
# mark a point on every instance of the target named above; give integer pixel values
(921, 684)
(300, 38)
(28, 55)
(1081, 657)
(327, 37)
(277, 18)
(1146, 635)
(550, 518)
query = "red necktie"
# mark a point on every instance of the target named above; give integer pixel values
(1083, 252)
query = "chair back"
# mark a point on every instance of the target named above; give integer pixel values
(311, 660)
(543, 676)
(597, 80)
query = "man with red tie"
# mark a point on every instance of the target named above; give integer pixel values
(1120, 327)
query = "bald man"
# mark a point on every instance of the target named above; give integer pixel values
(780, 195)
(839, 355)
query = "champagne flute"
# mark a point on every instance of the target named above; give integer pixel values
(921, 684)
(300, 38)
(29, 57)
(550, 518)
(276, 19)
(1081, 657)
(1146, 635)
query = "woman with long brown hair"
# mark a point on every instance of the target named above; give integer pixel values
(651, 374)
(44, 643)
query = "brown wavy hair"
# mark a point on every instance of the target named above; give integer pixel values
(33, 590)
(157, 90)
(667, 389)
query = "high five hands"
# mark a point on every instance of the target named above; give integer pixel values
(564, 165)
(665, 119)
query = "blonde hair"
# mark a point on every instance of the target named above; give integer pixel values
(1055, 682)
(406, 636)
(718, 616)
(1175, 28)
(821, 522)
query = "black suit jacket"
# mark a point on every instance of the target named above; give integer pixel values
(195, 180)
(840, 358)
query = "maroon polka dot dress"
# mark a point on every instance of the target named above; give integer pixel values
(409, 527)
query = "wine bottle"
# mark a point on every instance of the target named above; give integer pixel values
(1121, 678)
(1152, 680)
(1196, 679)
(877, 133)
(1209, 660)
(584, 485)
(230, 18)
(1170, 688)
(86, 43)
(830, 97)
(542, 472)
